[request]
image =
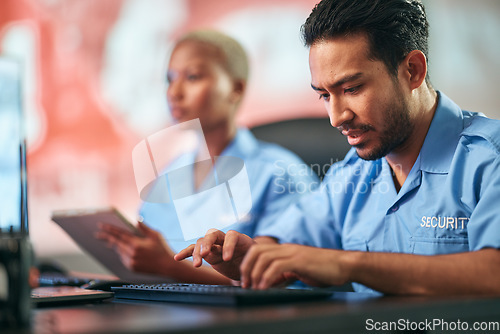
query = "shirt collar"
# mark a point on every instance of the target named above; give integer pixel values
(243, 144)
(442, 138)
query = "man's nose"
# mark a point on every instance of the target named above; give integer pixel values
(339, 112)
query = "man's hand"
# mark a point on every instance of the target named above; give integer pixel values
(147, 254)
(261, 266)
(223, 251)
(471, 273)
(268, 265)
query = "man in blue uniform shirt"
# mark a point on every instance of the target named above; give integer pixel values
(411, 209)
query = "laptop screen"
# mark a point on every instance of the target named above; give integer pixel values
(13, 204)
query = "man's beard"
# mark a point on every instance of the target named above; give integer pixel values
(397, 130)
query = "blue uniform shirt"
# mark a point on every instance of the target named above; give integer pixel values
(448, 204)
(276, 177)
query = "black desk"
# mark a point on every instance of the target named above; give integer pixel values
(347, 312)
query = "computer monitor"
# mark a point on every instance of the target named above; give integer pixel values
(15, 249)
(13, 189)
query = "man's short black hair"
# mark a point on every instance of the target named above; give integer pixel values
(394, 27)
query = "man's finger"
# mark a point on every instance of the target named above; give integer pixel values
(185, 253)
(253, 264)
(273, 273)
(230, 243)
(264, 259)
(197, 258)
(247, 265)
(213, 238)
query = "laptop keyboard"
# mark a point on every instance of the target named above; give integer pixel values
(55, 279)
(216, 294)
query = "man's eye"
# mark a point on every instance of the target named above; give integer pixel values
(352, 90)
(324, 96)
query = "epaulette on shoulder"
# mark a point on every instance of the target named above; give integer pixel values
(487, 128)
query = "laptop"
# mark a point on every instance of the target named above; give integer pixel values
(13, 191)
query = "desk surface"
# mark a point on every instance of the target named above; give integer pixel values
(345, 312)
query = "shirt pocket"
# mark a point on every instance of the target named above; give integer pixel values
(437, 246)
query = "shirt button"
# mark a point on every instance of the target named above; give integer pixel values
(394, 208)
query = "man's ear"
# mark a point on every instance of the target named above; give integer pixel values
(239, 87)
(415, 68)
